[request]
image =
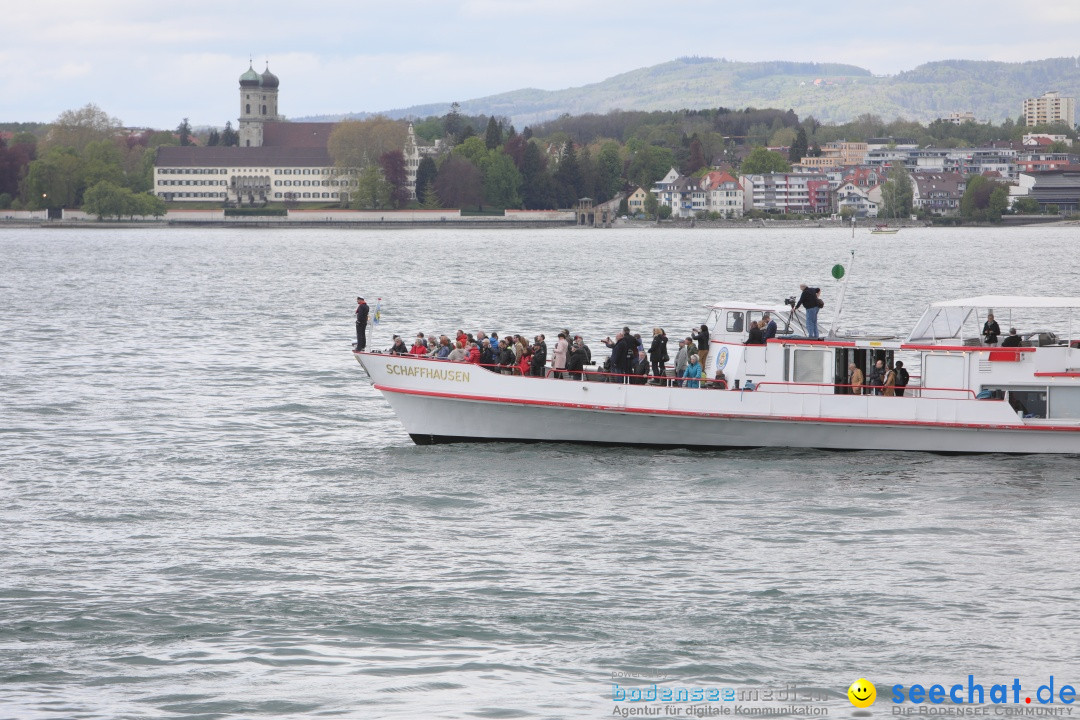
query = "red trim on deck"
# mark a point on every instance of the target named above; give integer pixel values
(1058, 374)
(728, 416)
(964, 348)
(815, 343)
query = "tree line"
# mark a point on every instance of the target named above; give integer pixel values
(484, 163)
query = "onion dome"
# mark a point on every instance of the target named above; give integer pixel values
(268, 79)
(250, 78)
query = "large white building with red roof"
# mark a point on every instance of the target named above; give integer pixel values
(276, 161)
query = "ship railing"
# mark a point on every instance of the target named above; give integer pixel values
(803, 388)
(864, 389)
(610, 377)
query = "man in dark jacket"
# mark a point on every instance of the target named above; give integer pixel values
(539, 360)
(507, 360)
(619, 353)
(362, 311)
(640, 371)
(658, 354)
(809, 300)
(702, 337)
(877, 377)
(768, 327)
(902, 378)
(1013, 340)
(588, 353)
(575, 364)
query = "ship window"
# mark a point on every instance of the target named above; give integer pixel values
(734, 322)
(809, 366)
(1065, 402)
(1028, 402)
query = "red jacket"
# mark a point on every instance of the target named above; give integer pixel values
(474, 355)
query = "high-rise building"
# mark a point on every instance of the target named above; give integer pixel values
(1050, 108)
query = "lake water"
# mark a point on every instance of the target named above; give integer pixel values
(207, 512)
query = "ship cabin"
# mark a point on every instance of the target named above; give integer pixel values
(945, 354)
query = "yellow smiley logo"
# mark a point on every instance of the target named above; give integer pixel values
(862, 693)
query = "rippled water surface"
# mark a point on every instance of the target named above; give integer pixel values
(206, 511)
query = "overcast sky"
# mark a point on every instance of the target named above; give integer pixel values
(153, 63)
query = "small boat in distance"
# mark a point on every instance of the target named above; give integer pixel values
(884, 230)
(965, 396)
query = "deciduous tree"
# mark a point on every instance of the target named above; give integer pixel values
(459, 183)
(355, 144)
(373, 192)
(762, 160)
(502, 182)
(897, 193)
(78, 128)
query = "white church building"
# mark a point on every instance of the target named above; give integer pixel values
(276, 160)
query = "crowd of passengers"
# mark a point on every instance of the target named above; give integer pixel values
(630, 361)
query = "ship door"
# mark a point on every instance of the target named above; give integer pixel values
(844, 357)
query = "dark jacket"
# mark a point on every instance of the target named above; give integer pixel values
(399, 348)
(702, 338)
(809, 298)
(1011, 341)
(990, 332)
(658, 349)
(506, 357)
(770, 330)
(620, 354)
(362, 311)
(640, 371)
(575, 363)
(756, 337)
(539, 360)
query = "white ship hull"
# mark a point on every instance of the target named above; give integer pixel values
(441, 402)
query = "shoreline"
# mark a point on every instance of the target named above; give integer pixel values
(755, 224)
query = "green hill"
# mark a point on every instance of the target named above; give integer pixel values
(993, 91)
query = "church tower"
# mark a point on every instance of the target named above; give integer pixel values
(258, 105)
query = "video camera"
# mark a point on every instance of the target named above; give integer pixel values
(790, 301)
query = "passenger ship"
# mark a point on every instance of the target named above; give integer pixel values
(966, 398)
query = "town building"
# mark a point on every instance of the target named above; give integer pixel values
(1044, 139)
(1045, 162)
(938, 193)
(787, 192)
(723, 194)
(959, 118)
(1050, 108)
(863, 202)
(1060, 188)
(680, 193)
(635, 201)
